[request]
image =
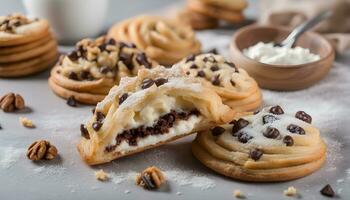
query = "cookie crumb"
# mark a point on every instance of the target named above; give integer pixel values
(101, 175)
(26, 122)
(127, 191)
(150, 178)
(178, 193)
(238, 194)
(291, 191)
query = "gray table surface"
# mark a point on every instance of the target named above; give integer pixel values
(69, 178)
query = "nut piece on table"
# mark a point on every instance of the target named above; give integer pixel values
(151, 178)
(11, 102)
(26, 122)
(101, 175)
(41, 150)
(291, 191)
(238, 194)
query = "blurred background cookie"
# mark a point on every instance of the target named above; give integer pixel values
(196, 20)
(26, 46)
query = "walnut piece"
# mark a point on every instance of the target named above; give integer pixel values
(101, 175)
(291, 191)
(151, 178)
(11, 102)
(41, 150)
(238, 194)
(26, 122)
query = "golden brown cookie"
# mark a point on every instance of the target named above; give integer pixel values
(30, 66)
(236, 88)
(216, 11)
(237, 5)
(25, 47)
(17, 29)
(265, 147)
(163, 40)
(157, 106)
(94, 67)
(196, 20)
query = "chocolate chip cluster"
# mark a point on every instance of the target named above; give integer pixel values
(211, 70)
(11, 22)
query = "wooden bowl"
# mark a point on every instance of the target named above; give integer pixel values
(279, 77)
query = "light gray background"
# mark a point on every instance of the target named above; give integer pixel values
(69, 178)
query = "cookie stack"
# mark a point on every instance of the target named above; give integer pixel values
(26, 46)
(206, 14)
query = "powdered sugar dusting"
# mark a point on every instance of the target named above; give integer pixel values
(334, 154)
(10, 155)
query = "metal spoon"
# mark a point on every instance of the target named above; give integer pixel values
(299, 30)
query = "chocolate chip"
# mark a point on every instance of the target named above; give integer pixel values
(217, 131)
(269, 119)
(277, 110)
(328, 191)
(255, 154)
(194, 66)
(111, 41)
(123, 98)
(160, 81)
(147, 83)
(215, 80)
(125, 44)
(190, 58)
(244, 137)
(73, 76)
(85, 75)
(232, 83)
(126, 59)
(71, 101)
(148, 183)
(213, 51)
(256, 112)
(214, 68)
(73, 56)
(303, 116)
(231, 64)
(93, 110)
(105, 69)
(96, 125)
(271, 132)
(100, 116)
(84, 132)
(288, 140)
(201, 74)
(188, 73)
(142, 60)
(0, 127)
(238, 125)
(295, 129)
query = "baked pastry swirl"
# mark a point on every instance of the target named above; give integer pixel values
(94, 67)
(237, 89)
(157, 106)
(265, 147)
(163, 40)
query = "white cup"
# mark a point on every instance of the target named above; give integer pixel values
(71, 20)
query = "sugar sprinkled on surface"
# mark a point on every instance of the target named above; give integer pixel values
(9, 156)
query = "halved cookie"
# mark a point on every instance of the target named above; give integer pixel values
(94, 67)
(237, 89)
(264, 147)
(157, 106)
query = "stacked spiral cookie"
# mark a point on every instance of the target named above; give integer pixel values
(26, 46)
(206, 14)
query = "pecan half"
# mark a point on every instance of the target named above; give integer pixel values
(41, 150)
(151, 178)
(11, 102)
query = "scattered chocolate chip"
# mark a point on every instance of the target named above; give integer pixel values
(126, 59)
(100, 116)
(303, 116)
(238, 125)
(215, 80)
(71, 101)
(201, 74)
(213, 51)
(271, 132)
(188, 73)
(216, 131)
(123, 98)
(73, 56)
(160, 81)
(277, 110)
(105, 69)
(73, 76)
(84, 132)
(232, 83)
(269, 119)
(328, 191)
(194, 66)
(214, 68)
(147, 83)
(111, 41)
(190, 58)
(96, 125)
(255, 154)
(288, 140)
(244, 137)
(146, 179)
(142, 60)
(0, 127)
(295, 129)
